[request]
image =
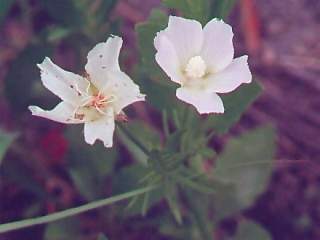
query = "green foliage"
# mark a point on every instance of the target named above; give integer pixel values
(235, 105)
(89, 167)
(146, 33)
(249, 230)
(143, 133)
(127, 179)
(5, 141)
(172, 197)
(194, 9)
(5, 6)
(222, 8)
(244, 169)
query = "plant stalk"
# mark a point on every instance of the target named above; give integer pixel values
(72, 211)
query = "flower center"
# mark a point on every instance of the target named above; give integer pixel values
(196, 67)
(98, 101)
(93, 104)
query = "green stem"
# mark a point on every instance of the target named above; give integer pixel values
(165, 123)
(134, 139)
(198, 216)
(72, 211)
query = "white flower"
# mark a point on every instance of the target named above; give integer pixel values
(94, 100)
(201, 61)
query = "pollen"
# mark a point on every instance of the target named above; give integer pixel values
(196, 67)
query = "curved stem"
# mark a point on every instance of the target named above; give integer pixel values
(72, 211)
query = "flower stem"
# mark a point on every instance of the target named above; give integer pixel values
(72, 211)
(134, 139)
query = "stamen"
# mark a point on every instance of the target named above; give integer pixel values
(196, 67)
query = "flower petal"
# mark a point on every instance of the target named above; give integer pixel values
(167, 58)
(66, 85)
(103, 58)
(233, 76)
(63, 113)
(101, 129)
(186, 36)
(203, 101)
(124, 89)
(217, 49)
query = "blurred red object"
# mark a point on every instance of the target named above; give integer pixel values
(251, 26)
(54, 145)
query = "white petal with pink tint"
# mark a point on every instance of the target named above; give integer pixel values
(233, 76)
(167, 58)
(185, 35)
(217, 50)
(201, 61)
(204, 102)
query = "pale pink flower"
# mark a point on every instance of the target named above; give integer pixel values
(201, 61)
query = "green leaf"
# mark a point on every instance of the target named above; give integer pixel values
(174, 207)
(198, 211)
(159, 96)
(194, 9)
(89, 166)
(23, 73)
(222, 8)
(146, 33)
(145, 134)
(5, 6)
(244, 168)
(249, 230)
(5, 141)
(235, 105)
